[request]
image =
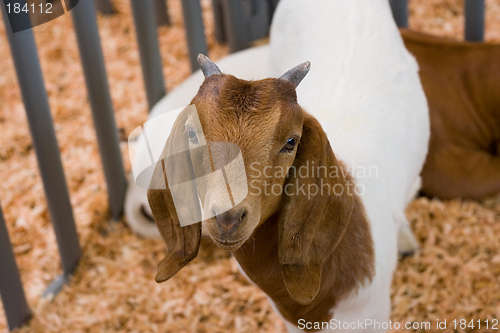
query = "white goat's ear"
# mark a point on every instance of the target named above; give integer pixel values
(311, 226)
(208, 67)
(296, 74)
(182, 242)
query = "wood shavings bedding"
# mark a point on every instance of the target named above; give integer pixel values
(455, 276)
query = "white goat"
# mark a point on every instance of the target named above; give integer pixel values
(364, 89)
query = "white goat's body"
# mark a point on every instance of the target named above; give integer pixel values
(249, 64)
(364, 89)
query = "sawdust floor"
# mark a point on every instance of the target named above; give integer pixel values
(455, 276)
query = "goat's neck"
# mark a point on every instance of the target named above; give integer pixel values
(350, 265)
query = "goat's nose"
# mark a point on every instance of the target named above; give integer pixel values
(229, 219)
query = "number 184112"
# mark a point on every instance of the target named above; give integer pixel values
(16, 8)
(485, 324)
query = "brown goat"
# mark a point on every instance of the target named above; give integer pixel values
(462, 83)
(293, 236)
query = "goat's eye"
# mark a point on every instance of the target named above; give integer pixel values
(192, 136)
(289, 145)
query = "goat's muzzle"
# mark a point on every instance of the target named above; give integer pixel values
(228, 224)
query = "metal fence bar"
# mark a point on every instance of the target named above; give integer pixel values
(105, 7)
(195, 31)
(161, 12)
(400, 12)
(29, 75)
(89, 44)
(235, 14)
(272, 8)
(219, 21)
(474, 20)
(149, 50)
(14, 301)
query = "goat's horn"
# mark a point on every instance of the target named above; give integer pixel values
(296, 74)
(208, 67)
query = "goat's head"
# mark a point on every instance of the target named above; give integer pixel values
(264, 121)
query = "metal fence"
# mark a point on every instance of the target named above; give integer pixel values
(237, 23)
(474, 17)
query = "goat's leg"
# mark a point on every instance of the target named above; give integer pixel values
(461, 173)
(407, 243)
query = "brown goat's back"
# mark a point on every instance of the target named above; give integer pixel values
(462, 83)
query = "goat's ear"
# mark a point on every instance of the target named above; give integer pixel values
(312, 224)
(182, 241)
